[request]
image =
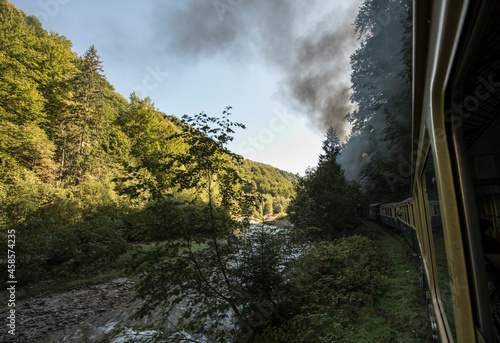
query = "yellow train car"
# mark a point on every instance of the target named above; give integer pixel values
(456, 163)
(388, 215)
(406, 222)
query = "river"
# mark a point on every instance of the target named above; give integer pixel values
(117, 326)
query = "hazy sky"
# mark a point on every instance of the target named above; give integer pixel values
(282, 65)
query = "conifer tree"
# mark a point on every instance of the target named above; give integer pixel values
(82, 125)
(325, 200)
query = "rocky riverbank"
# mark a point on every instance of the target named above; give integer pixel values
(39, 318)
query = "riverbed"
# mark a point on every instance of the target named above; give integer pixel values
(89, 313)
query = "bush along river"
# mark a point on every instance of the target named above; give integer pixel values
(104, 313)
(381, 302)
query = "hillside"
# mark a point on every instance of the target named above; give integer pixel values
(48, 129)
(100, 194)
(276, 186)
(83, 170)
(267, 179)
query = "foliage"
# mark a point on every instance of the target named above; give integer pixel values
(50, 130)
(58, 230)
(275, 187)
(236, 296)
(343, 275)
(378, 151)
(355, 289)
(350, 264)
(266, 204)
(82, 169)
(326, 203)
(216, 275)
(266, 179)
(82, 124)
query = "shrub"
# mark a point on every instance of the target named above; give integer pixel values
(329, 283)
(351, 264)
(59, 227)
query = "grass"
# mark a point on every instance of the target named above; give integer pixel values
(400, 313)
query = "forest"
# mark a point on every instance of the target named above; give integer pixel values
(378, 150)
(88, 177)
(79, 162)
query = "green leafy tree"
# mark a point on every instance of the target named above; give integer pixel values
(56, 114)
(34, 68)
(268, 206)
(31, 147)
(154, 141)
(280, 204)
(20, 98)
(266, 179)
(206, 273)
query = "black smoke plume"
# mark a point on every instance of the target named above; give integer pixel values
(308, 42)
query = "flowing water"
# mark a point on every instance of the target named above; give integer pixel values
(118, 326)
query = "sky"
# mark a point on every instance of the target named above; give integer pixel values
(282, 65)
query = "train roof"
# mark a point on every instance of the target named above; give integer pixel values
(390, 204)
(406, 201)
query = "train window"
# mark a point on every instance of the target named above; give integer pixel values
(435, 230)
(412, 219)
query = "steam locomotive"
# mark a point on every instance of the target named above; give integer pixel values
(456, 165)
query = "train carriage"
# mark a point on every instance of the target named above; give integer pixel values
(406, 222)
(388, 215)
(456, 162)
(374, 211)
